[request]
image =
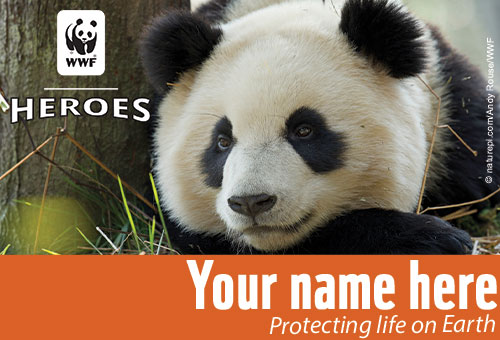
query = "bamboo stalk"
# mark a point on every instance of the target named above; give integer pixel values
(474, 152)
(462, 204)
(28, 156)
(431, 148)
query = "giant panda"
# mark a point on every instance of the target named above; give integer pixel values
(304, 127)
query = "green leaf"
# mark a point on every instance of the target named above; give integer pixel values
(5, 250)
(157, 200)
(88, 241)
(50, 252)
(131, 220)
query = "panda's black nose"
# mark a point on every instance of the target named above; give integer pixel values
(252, 205)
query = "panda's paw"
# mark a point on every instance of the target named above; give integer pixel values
(432, 235)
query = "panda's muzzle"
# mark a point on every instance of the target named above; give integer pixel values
(252, 206)
(289, 229)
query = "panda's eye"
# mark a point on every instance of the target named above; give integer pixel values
(224, 142)
(303, 131)
(80, 33)
(89, 34)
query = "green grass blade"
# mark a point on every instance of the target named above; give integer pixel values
(88, 241)
(50, 252)
(131, 220)
(157, 200)
(152, 236)
(5, 250)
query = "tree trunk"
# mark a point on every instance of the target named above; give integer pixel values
(28, 64)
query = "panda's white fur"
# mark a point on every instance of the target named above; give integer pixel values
(274, 57)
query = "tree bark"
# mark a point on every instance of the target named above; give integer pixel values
(28, 64)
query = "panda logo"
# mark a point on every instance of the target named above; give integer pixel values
(81, 42)
(82, 36)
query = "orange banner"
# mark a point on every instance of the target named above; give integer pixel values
(249, 297)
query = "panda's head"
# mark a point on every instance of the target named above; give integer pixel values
(279, 121)
(85, 31)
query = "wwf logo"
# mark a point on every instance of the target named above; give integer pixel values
(81, 42)
(82, 36)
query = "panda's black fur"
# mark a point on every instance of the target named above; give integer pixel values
(390, 38)
(213, 11)
(466, 104)
(186, 41)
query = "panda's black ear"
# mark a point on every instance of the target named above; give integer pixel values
(174, 44)
(79, 22)
(93, 23)
(386, 33)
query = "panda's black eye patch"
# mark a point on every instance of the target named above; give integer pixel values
(80, 33)
(215, 156)
(320, 147)
(89, 34)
